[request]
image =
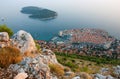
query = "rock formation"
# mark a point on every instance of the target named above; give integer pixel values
(21, 76)
(99, 76)
(77, 77)
(24, 41)
(4, 39)
(117, 71)
(4, 36)
(37, 67)
(49, 57)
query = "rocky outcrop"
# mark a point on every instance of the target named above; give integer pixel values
(100, 76)
(107, 72)
(24, 41)
(7, 73)
(49, 56)
(4, 36)
(77, 77)
(21, 76)
(117, 71)
(4, 39)
(37, 67)
(83, 75)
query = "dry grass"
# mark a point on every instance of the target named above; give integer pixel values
(84, 75)
(56, 69)
(9, 55)
(29, 54)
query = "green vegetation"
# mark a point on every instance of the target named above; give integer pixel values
(9, 55)
(88, 64)
(79, 65)
(39, 13)
(71, 65)
(64, 61)
(37, 46)
(4, 28)
(92, 58)
(84, 69)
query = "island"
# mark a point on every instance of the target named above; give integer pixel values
(39, 13)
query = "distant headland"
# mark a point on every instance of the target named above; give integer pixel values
(39, 13)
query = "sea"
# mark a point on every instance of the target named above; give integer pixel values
(72, 14)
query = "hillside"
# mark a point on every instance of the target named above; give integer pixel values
(21, 57)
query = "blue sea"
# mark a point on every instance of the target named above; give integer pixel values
(103, 14)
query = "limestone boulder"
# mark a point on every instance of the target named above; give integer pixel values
(100, 76)
(4, 36)
(49, 56)
(38, 65)
(77, 77)
(117, 70)
(35, 67)
(21, 76)
(24, 41)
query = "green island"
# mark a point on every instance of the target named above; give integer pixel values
(39, 13)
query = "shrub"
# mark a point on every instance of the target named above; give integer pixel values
(69, 64)
(84, 69)
(56, 69)
(64, 59)
(73, 66)
(9, 55)
(66, 69)
(37, 46)
(84, 75)
(73, 61)
(29, 54)
(4, 28)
